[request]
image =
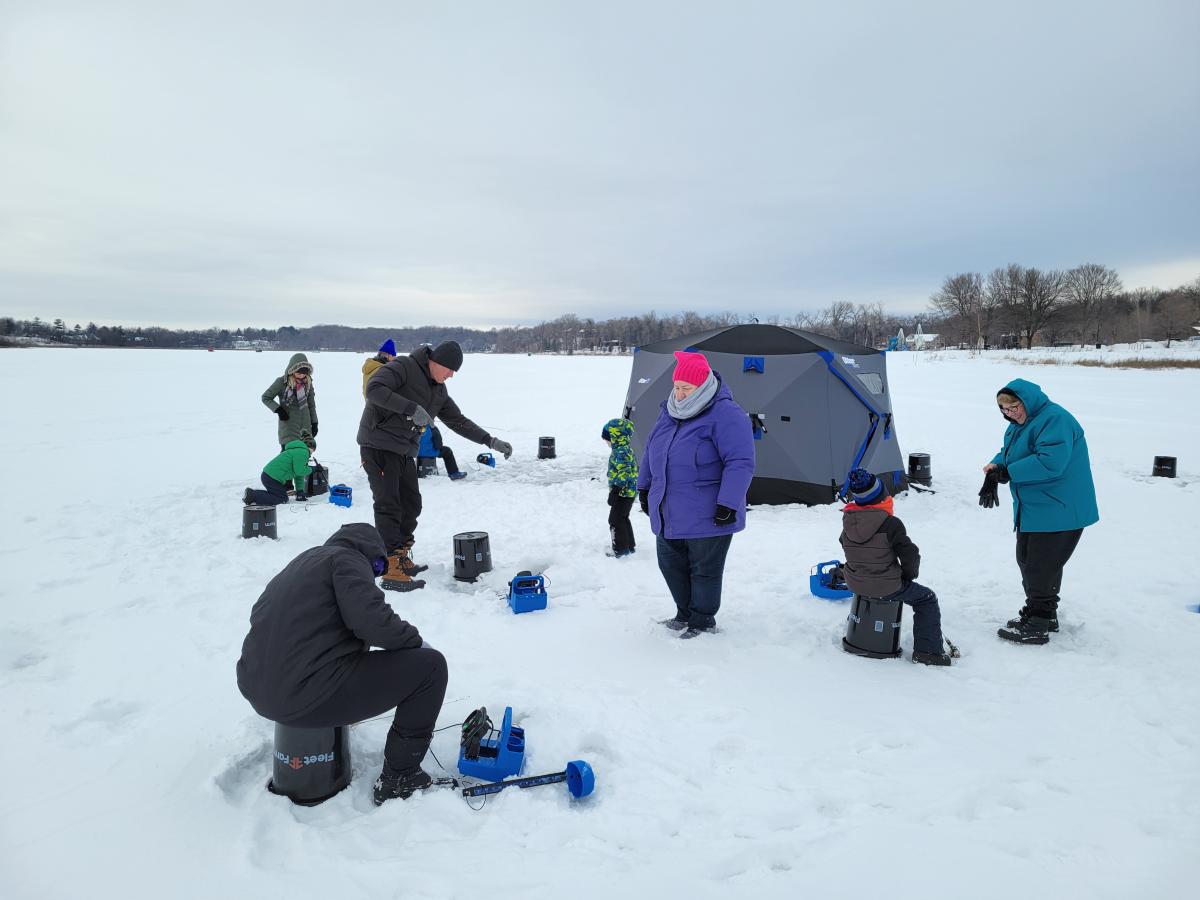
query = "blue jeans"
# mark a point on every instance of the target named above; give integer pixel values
(275, 493)
(927, 617)
(693, 569)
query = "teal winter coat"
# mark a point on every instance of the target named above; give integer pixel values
(1047, 460)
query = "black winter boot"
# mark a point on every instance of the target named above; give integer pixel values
(1024, 615)
(931, 659)
(674, 624)
(1030, 630)
(390, 785)
(248, 497)
(402, 774)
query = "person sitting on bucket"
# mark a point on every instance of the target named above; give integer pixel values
(290, 465)
(307, 660)
(882, 563)
(622, 484)
(387, 352)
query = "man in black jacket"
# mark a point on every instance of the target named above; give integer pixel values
(403, 399)
(883, 563)
(306, 660)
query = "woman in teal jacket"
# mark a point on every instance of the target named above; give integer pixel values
(1044, 461)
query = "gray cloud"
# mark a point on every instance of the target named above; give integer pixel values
(402, 163)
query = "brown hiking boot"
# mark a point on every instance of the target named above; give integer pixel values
(406, 562)
(396, 579)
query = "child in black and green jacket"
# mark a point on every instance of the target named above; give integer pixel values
(622, 484)
(290, 465)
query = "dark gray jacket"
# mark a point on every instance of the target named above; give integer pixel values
(315, 622)
(879, 554)
(393, 394)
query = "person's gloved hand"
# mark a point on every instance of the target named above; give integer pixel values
(989, 496)
(420, 418)
(724, 516)
(501, 447)
(644, 501)
(282, 413)
(301, 496)
(1001, 473)
(314, 431)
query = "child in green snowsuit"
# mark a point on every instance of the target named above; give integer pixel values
(622, 484)
(290, 465)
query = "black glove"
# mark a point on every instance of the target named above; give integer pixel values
(644, 501)
(501, 447)
(282, 413)
(988, 494)
(314, 429)
(1001, 473)
(420, 418)
(724, 516)
(301, 496)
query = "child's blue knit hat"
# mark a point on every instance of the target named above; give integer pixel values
(865, 488)
(389, 347)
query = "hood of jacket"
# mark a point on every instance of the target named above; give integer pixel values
(861, 523)
(618, 432)
(297, 360)
(361, 537)
(421, 355)
(296, 445)
(1031, 396)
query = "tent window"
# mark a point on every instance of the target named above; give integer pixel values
(785, 418)
(873, 381)
(754, 364)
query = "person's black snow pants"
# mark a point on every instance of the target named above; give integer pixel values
(619, 525)
(397, 495)
(927, 616)
(275, 493)
(447, 456)
(412, 681)
(1041, 556)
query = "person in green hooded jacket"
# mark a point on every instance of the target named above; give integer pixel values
(1044, 461)
(290, 465)
(292, 397)
(622, 484)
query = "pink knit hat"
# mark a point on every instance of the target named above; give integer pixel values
(691, 367)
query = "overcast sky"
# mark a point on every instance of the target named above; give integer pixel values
(397, 163)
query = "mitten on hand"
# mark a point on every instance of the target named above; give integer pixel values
(420, 418)
(644, 501)
(724, 516)
(282, 413)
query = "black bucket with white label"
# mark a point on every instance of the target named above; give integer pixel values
(873, 628)
(259, 521)
(472, 555)
(310, 765)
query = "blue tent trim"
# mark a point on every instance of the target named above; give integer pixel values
(754, 364)
(875, 415)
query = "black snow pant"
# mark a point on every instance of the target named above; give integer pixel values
(1041, 556)
(275, 493)
(397, 495)
(412, 681)
(447, 456)
(693, 570)
(927, 616)
(619, 525)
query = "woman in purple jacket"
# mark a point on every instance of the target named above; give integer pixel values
(693, 479)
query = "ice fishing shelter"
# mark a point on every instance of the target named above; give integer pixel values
(818, 406)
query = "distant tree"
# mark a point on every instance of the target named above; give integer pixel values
(1092, 289)
(960, 301)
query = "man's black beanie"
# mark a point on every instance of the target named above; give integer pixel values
(448, 354)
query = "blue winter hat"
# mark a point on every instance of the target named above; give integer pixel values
(865, 488)
(389, 347)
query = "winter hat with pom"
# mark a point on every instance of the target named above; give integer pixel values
(865, 488)
(691, 367)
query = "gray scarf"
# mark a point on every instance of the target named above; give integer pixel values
(693, 404)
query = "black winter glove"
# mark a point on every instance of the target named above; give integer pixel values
(282, 413)
(314, 429)
(301, 496)
(724, 516)
(644, 501)
(1001, 473)
(989, 496)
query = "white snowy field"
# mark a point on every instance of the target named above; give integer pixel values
(761, 762)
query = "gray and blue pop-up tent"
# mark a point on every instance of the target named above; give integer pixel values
(818, 406)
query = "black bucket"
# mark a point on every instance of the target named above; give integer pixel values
(472, 555)
(920, 469)
(259, 521)
(310, 765)
(426, 466)
(546, 448)
(873, 628)
(1164, 466)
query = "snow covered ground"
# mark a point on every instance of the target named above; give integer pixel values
(762, 762)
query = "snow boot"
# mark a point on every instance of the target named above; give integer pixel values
(390, 785)
(1032, 630)
(396, 579)
(406, 562)
(696, 632)
(931, 659)
(248, 497)
(455, 476)
(674, 624)
(1025, 613)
